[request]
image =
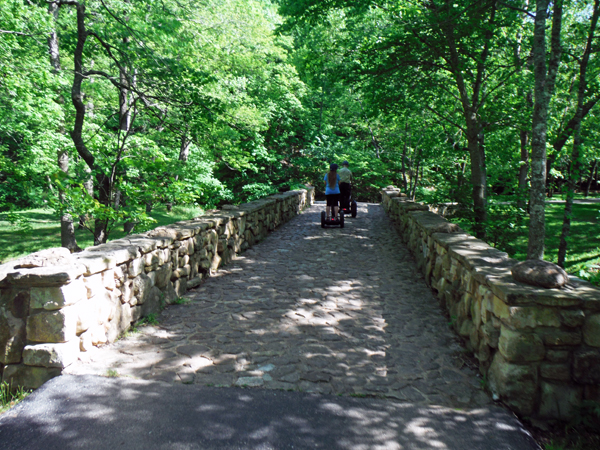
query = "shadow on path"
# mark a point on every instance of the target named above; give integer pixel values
(335, 311)
(88, 412)
(310, 310)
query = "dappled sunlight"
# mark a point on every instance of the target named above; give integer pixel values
(347, 316)
(97, 413)
(328, 311)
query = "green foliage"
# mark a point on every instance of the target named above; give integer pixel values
(18, 222)
(484, 382)
(150, 319)
(255, 191)
(10, 396)
(218, 78)
(504, 226)
(587, 415)
(591, 272)
(232, 100)
(77, 202)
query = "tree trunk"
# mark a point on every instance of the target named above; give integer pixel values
(403, 168)
(103, 181)
(414, 182)
(591, 178)
(67, 230)
(88, 184)
(125, 106)
(523, 169)
(545, 77)
(184, 153)
(575, 167)
(184, 150)
(471, 101)
(524, 134)
(124, 103)
(53, 49)
(478, 179)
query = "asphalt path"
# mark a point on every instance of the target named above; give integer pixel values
(91, 412)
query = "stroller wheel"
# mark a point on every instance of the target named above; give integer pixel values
(353, 208)
(341, 219)
(322, 219)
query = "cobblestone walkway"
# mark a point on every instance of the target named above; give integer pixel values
(338, 311)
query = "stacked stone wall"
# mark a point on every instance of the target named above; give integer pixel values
(55, 305)
(538, 349)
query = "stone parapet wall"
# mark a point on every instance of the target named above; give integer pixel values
(538, 349)
(55, 305)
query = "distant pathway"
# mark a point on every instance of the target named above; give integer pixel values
(339, 311)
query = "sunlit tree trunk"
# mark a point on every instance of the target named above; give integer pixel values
(545, 76)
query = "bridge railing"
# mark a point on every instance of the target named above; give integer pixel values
(55, 305)
(538, 349)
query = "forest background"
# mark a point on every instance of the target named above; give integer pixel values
(116, 113)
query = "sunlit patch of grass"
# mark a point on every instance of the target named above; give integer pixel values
(43, 230)
(149, 320)
(10, 397)
(583, 243)
(583, 252)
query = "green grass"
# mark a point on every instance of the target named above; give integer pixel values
(584, 241)
(583, 244)
(149, 320)
(556, 196)
(10, 397)
(42, 230)
(181, 301)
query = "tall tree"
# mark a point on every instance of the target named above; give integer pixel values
(67, 228)
(545, 77)
(449, 48)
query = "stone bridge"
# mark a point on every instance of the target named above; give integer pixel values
(336, 311)
(399, 304)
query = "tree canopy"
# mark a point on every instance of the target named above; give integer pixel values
(111, 107)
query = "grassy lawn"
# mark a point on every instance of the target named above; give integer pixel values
(584, 241)
(583, 244)
(44, 230)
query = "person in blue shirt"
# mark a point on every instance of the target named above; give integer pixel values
(332, 191)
